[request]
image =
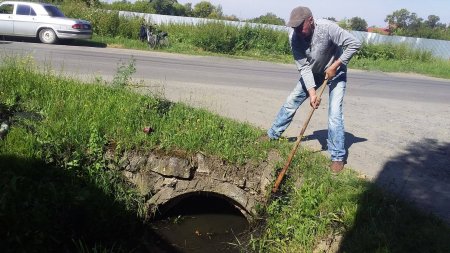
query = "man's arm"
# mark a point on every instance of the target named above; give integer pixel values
(298, 51)
(298, 48)
(345, 40)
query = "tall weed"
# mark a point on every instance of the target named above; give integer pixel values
(393, 52)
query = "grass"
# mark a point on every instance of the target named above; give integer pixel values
(435, 68)
(352, 212)
(57, 192)
(52, 161)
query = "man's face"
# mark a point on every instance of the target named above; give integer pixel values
(305, 30)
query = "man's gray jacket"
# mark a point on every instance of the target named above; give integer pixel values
(328, 43)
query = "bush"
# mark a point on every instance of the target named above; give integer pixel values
(393, 52)
(263, 39)
(219, 37)
(104, 23)
(216, 37)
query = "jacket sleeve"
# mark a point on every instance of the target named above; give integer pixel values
(346, 40)
(298, 48)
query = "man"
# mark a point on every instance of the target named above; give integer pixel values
(320, 48)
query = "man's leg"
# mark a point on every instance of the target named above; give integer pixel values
(336, 132)
(287, 111)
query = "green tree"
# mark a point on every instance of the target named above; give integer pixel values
(179, 9)
(268, 18)
(398, 19)
(414, 22)
(358, 24)
(432, 21)
(203, 9)
(217, 12)
(165, 7)
(89, 3)
(344, 23)
(188, 10)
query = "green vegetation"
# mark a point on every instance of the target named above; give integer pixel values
(59, 193)
(404, 23)
(105, 23)
(202, 9)
(268, 18)
(358, 24)
(350, 212)
(400, 58)
(56, 188)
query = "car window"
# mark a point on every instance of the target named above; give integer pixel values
(7, 9)
(53, 11)
(25, 10)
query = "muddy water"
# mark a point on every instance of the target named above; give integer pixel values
(201, 225)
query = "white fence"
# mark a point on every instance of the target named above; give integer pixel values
(439, 48)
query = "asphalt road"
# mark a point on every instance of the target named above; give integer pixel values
(397, 125)
(89, 61)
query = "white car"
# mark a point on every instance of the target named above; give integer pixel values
(40, 20)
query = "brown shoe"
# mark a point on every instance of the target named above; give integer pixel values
(337, 166)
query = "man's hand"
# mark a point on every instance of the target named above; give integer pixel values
(330, 72)
(314, 101)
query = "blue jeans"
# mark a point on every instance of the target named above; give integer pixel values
(336, 138)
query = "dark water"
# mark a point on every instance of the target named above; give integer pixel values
(200, 224)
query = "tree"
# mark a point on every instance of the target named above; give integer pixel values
(217, 12)
(344, 23)
(165, 7)
(414, 22)
(188, 10)
(268, 18)
(203, 9)
(398, 19)
(432, 21)
(179, 10)
(331, 19)
(358, 24)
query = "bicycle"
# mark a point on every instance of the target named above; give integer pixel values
(159, 39)
(153, 37)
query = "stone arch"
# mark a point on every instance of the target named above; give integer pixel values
(161, 178)
(227, 191)
(167, 206)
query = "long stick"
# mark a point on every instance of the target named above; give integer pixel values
(297, 143)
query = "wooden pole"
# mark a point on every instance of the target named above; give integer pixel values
(297, 142)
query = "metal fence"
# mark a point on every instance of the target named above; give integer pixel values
(439, 48)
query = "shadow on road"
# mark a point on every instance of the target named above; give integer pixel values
(50, 209)
(422, 174)
(386, 219)
(322, 136)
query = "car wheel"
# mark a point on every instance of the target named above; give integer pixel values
(47, 36)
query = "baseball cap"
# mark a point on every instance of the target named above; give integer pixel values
(298, 15)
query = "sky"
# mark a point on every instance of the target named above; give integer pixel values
(373, 11)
